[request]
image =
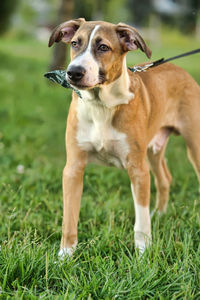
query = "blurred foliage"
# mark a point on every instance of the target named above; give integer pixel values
(108, 10)
(117, 11)
(37, 13)
(140, 11)
(7, 8)
(191, 19)
(84, 9)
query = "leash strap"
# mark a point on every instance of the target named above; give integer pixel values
(59, 76)
(161, 61)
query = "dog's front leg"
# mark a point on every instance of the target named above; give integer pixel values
(72, 191)
(140, 186)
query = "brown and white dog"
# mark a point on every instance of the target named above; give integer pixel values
(123, 118)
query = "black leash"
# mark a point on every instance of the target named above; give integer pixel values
(161, 61)
(59, 76)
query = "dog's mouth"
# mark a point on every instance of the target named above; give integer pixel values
(82, 86)
(79, 85)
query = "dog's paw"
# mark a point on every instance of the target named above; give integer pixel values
(65, 253)
(157, 212)
(142, 242)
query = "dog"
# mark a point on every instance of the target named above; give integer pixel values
(124, 119)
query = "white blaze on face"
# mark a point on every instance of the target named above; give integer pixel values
(88, 62)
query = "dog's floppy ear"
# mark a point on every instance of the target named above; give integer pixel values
(130, 39)
(65, 31)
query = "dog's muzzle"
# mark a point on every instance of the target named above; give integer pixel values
(75, 73)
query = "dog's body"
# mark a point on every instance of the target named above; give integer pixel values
(123, 118)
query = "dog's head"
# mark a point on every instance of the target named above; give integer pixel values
(97, 50)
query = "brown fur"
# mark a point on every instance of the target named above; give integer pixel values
(166, 99)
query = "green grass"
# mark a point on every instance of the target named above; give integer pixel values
(105, 265)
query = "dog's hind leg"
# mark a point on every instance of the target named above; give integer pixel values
(162, 177)
(193, 151)
(189, 121)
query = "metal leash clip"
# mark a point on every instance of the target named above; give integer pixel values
(141, 68)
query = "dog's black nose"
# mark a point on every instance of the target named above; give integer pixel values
(76, 73)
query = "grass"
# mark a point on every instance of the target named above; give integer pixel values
(105, 265)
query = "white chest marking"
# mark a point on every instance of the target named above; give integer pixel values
(96, 135)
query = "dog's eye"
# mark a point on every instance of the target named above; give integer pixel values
(103, 48)
(74, 44)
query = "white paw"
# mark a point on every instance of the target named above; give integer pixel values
(157, 212)
(142, 242)
(65, 253)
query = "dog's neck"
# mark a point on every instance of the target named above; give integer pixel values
(116, 93)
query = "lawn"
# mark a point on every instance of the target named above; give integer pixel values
(32, 156)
